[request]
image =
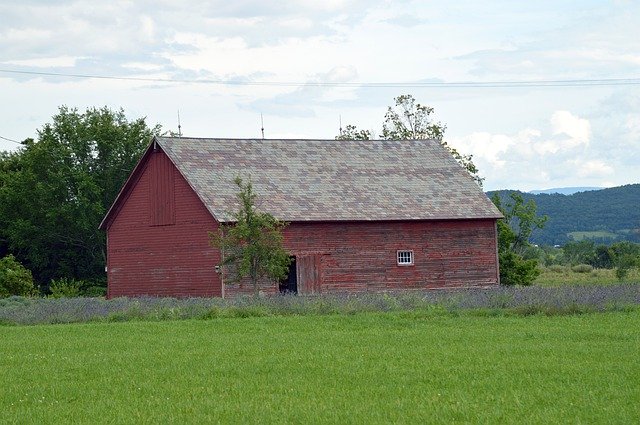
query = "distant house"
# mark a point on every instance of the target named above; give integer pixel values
(364, 216)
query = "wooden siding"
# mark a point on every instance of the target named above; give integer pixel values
(361, 256)
(161, 190)
(167, 260)
(308, 273)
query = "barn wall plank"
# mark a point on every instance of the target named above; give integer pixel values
(162, 260)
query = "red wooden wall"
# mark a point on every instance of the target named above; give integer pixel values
(361, 256)
(161, 247)
(158, 245)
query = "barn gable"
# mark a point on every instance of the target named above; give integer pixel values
(158, 241)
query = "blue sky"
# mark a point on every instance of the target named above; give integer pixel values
(521, 137)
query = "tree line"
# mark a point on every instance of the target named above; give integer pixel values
(55, 190)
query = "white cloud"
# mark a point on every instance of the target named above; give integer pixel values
(559, 155)
(591, 168)
(532, 137)
(59, 61)
(578, 129)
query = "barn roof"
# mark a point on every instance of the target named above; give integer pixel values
(329, 180)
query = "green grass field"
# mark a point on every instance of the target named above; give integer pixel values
(411, 367)
(565, 276)
(598, 234)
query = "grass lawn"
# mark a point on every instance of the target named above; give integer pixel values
(411, 367)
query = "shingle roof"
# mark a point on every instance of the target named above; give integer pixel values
(328, 180)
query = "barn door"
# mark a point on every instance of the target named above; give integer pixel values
(308, 274)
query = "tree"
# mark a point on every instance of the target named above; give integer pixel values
(579, 252)
(514, 230)
(351, 132)
(252, 246)
(408, 120)
(15, 279)
(55, 190)
(626, 256)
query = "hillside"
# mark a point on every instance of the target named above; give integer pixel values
(604, 216)
(565, 190)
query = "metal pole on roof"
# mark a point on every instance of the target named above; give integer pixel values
(179, 126)
(262, 125)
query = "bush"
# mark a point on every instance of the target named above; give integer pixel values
(557, 268)
(15, 279)
(516, 271)
(94, 291)
(582, 268)
(65, 288)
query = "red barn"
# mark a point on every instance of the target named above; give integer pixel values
(364, 216)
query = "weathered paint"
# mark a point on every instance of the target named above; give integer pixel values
(175, 259)
(161, 190)
(361, 256)
(167, 260)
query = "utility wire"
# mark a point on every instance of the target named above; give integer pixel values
(428, 84)
(10, 140)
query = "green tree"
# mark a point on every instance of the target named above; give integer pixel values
(514, 231)
(252, 245)
(55, 190)
(15, 279)
(626, 256)
(409, 120)
(351, 132)
(603, 258)
(579, 252)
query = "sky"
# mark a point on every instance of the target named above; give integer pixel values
(306, 66)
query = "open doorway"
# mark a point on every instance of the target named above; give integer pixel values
(289, 285)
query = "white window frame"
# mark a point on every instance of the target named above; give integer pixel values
(401, 257)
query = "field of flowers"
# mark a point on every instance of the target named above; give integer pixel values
(566, 299)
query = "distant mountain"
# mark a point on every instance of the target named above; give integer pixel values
(605, 215)
(564, 190)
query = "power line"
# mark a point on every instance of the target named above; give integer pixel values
(10, 140)
(419, 84)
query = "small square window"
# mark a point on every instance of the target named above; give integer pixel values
(405, 258)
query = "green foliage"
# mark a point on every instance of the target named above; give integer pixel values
(55, 190)
(94, 291)
(15, 279)
(624, 263)
(562, 276)
(65, 288)
(582, 268)
(351, 132)
(514, 270)
(252, 246)
(520, 219)
(603, 257)
(409, 120)
(579, 252)
(514, 230)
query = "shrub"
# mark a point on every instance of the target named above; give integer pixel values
(516, 271)
(65, 288)
(557, 268)
(15, 279)
(94, 291)
(622, 273)
(582, 268)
